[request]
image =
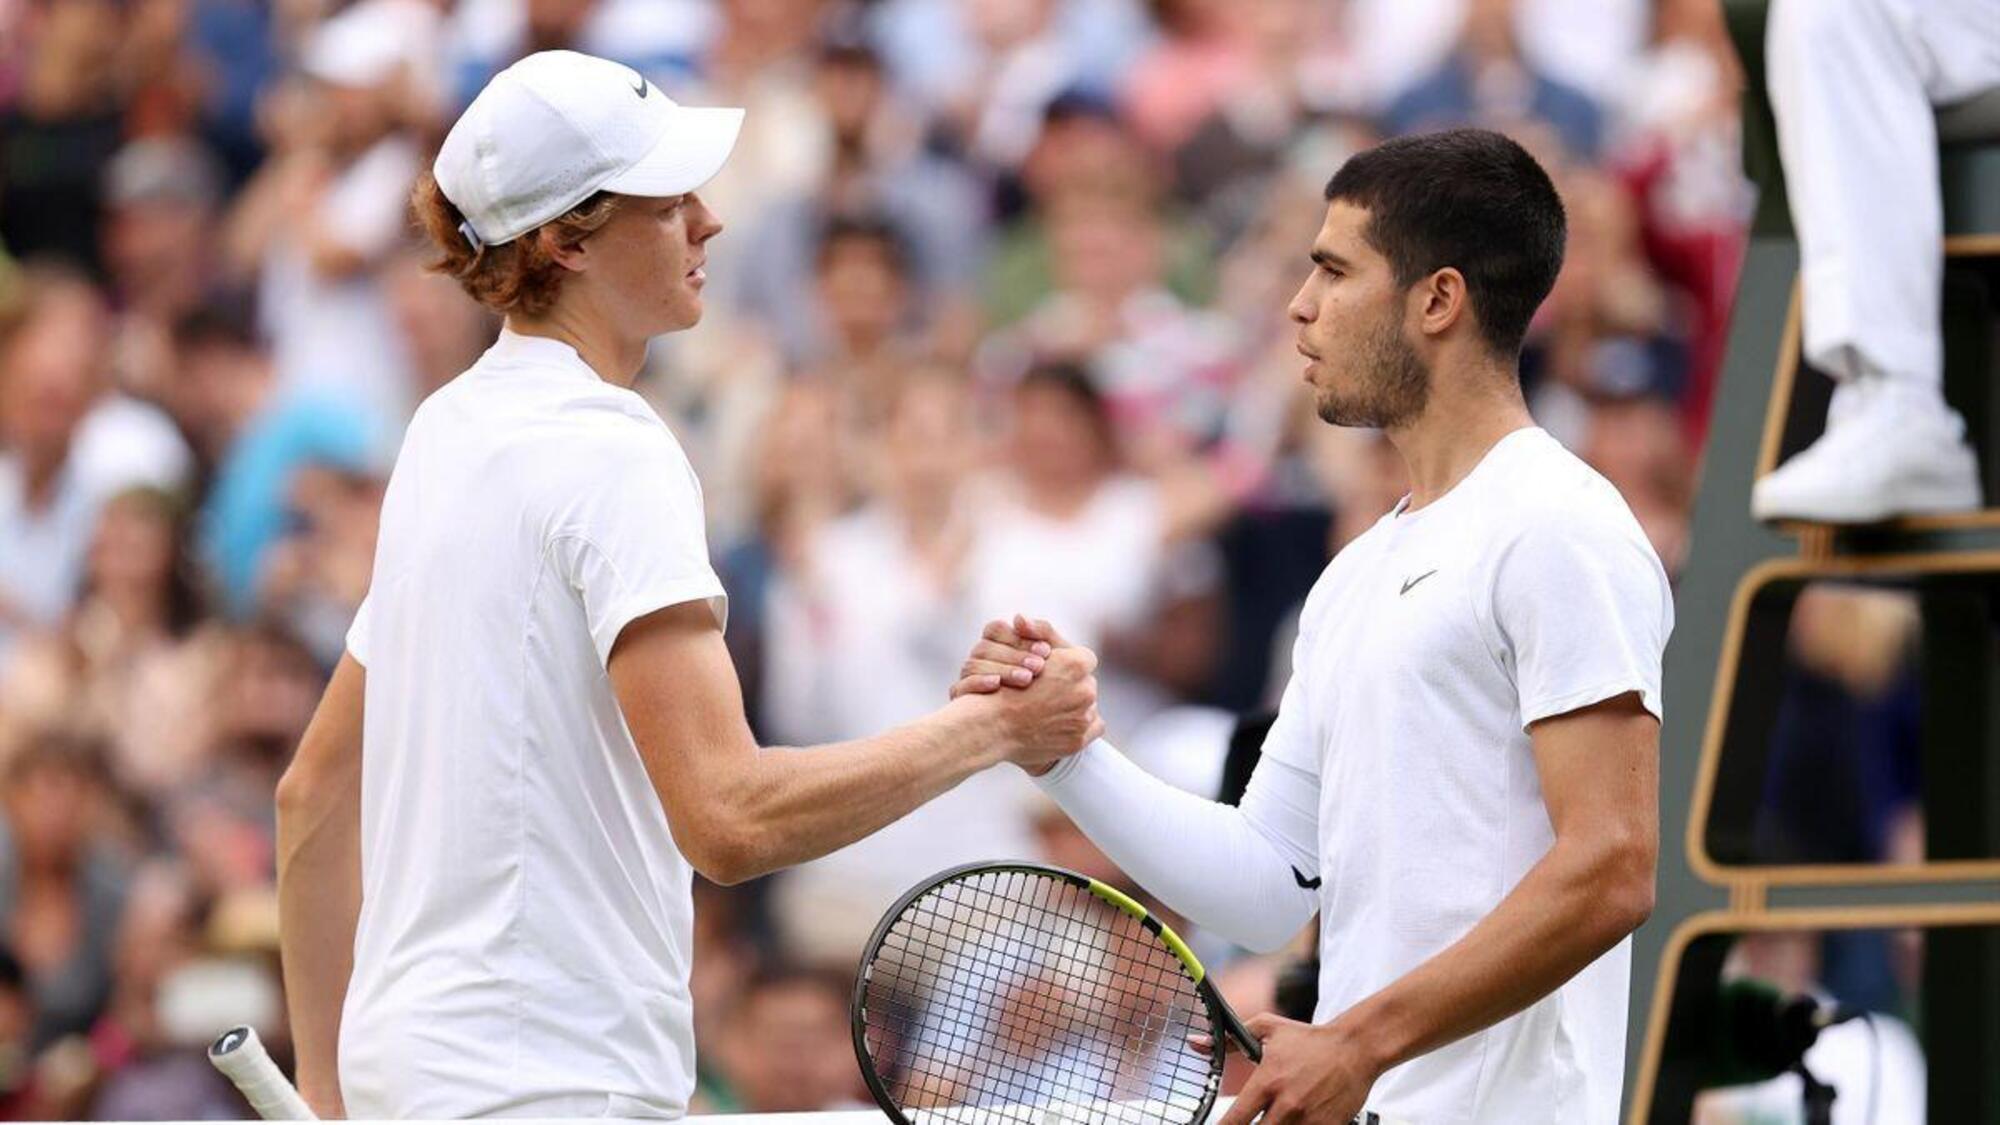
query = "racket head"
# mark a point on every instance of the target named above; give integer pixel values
(1020, 992)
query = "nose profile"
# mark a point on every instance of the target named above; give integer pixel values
(702, 223)
(1301, 309)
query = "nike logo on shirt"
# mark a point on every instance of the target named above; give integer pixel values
(1409, 583)
(642, 89)
(1299, 877)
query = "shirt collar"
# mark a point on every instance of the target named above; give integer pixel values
(513, 349)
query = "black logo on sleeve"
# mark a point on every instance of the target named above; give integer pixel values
(1299, 877)
(1411, 583)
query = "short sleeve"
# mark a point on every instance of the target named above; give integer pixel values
(1583, 610)
(633, 543)
(357, 635)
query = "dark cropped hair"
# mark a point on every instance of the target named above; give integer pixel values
(1470, 199)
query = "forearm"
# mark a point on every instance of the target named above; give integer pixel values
(319, 904)
(793, 805)
(319, 882)
(1566, 912)
(1220, 866)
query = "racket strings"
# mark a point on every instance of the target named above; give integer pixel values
(1019, 996)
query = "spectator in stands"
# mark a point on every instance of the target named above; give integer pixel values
(1163, 367)
(61, 891)
(327, 209)
(315, 577)
(142, 1071)
(67, 443)
(443, 329)
(1204, 56)
(1488, 82)
(876, 166)
(863, 291)
(162, 198)
(1637, 443)
(62, 126)
(1611, 328)
(128, 661)
(789, 1047)
(255, 436)
(1853, 88)
(1063, 493)
(662, 39)
(1677, 147)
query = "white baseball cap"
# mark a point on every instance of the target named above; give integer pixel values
(557, 127)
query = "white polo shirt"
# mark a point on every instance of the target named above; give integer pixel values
(1425, 651)
(526, 920)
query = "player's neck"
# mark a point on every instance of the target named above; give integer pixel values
(615, 360)
(1462, 421)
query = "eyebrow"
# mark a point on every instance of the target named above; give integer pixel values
(1328, 259)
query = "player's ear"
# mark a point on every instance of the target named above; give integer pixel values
(1441, 301)
(572, 256)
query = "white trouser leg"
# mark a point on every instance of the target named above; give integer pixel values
(1852, 83)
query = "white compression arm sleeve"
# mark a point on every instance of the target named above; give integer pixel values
(1229, 869)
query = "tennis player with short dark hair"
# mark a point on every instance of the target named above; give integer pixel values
(1462, 776)
(488, 836)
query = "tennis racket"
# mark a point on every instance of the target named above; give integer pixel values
(1016, 992)
(240, 1055)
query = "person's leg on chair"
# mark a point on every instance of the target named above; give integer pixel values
(1853, 86)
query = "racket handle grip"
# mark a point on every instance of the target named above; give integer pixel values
(241, 1057)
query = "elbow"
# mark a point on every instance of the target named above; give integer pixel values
(296, 789)
(726, 854)
(1627, 889)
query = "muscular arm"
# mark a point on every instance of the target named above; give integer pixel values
(319, 881)
(739, 810)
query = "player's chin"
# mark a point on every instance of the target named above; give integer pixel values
(683, 312)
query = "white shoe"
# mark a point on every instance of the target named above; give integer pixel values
(1884, 460)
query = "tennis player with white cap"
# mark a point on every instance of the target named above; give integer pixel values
(488, 834)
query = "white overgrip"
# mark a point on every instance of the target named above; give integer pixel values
(241, 1057)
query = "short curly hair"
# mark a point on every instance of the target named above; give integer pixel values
(518, 276)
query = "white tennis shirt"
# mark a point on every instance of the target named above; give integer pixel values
(1425, 650)
(526, 922)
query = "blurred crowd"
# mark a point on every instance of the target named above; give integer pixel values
(997, 324)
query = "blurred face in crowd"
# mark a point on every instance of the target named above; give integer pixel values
(48, 802)
(1362, 369)
(267, 693)
(444, 329)
(155, 249)
(1083, 151)
(49, 372)
(850, 91)
(134, 546)
(1060, 441)
(1107, 246)
(555, 22)
(930, 439)
(218, 386)
(643, 269)
(791, 1050)
(862, 289)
